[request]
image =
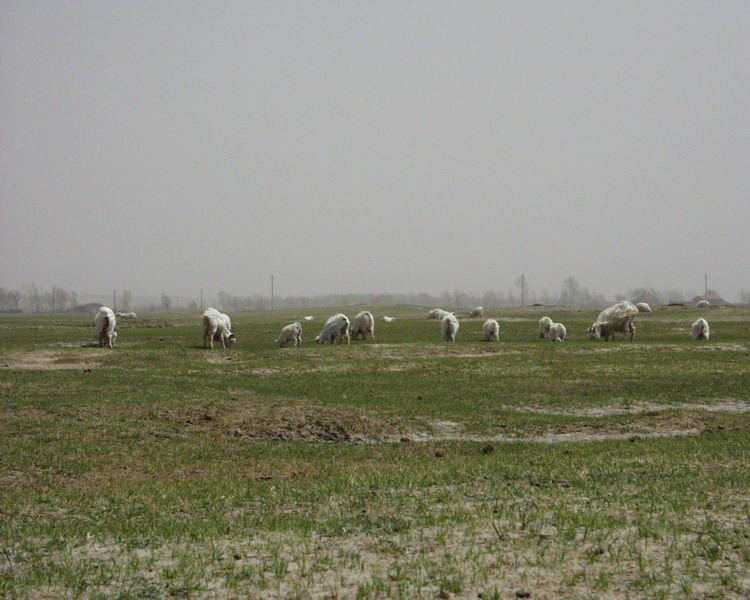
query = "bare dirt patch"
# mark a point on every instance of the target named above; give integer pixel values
(650, 425)
(261, 420)
(720, 405)
(46, 360)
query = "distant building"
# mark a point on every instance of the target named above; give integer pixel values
(713, 300)
(86, 309)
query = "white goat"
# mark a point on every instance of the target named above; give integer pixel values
(388, 319)
(336, 329)
(449, 327)
(544, 324)
(217, 326)
(364, 324)
(702, 304)
(557, 332)
(618, 318)
(643, 307)
(127, 315)
(477, 312)
(491, 330)
(105, 327)
(290, 333)
(700, 330)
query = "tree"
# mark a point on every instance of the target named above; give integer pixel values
(644, 294)
(127, 301)
(569, 292)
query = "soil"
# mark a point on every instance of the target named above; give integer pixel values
(46, 360)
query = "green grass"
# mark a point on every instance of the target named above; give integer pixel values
(406, 468)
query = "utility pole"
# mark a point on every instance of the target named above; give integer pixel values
(201, 300)
(162, 302)
(271, 292)
(114, 301)
(705, 285)
(53, 300)
(523, 290)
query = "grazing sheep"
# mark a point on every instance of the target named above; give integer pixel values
(308, 318)
(127, 315)
(105, 327)
(364, 323)
(437, 313)
(544, 324)
(477, 312)
(388, 319)
(557, 332)
(336, 329)
(702, 304)
(217, 326)
(618, 318)
(491, 330)
(290, 333)
(643, 307)
(449, 327)
(700, 330)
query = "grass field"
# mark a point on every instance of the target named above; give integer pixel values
(404, 468)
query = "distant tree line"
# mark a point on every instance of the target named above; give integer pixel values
(33, 299)
(571, 293)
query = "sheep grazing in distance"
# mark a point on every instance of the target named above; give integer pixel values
(437, 313)
(388, 319)
(336, 329)
(544, 324)
(491, 329)
(702, 304)
(449, 328)
(105, 327)
(643, 307)
(308, 318)
(477, 312)
(700, 330)
(364, 324)
(557, 332)
(127, 315)
(618, 318)
(217, 326)
(290, 333)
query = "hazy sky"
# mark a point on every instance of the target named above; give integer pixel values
(374, 146)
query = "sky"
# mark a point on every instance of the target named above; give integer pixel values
(356, 147)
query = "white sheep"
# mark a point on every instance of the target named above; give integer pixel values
(618, 318)
(309, 318)
(290, 333)
(364, 324)
(491, 330)
(544, 324)
(105, 327)
(336, 329)
(436, 313)
(388, 319)
(702, 304)
(557, 332)
(700, 330)
(643, 307)
(127, 315)
(217, 326)
(477, 312)
(449, 327)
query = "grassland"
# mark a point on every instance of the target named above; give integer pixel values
(404, 468)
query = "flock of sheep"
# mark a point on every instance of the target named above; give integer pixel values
(217, 327)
